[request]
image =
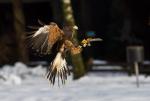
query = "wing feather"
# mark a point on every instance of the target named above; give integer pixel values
(44, 38)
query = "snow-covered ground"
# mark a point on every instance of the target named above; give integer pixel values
(19, 83)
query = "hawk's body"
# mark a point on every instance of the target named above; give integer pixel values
(51, 36)
(43, 41)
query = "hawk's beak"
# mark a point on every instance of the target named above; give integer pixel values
(75, 27)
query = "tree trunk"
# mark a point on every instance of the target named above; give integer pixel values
(57, 11)
(19, 25)
(77, 61)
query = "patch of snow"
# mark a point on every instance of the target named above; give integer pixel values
(146, 62)
(107, 67)
(9, 79)
(15, 74)
(97, 62)
(92, 87)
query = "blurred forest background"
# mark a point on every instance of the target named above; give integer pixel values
(119, 23)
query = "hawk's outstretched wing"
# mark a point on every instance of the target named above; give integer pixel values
(45, 37)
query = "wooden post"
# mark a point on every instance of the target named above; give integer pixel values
(136, 68)
(135, 55)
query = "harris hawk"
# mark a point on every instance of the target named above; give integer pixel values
(43, 40)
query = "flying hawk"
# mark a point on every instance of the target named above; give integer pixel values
(47, 37)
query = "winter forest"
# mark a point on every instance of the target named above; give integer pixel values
(74, 50)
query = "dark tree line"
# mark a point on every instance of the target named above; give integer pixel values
(118, 22)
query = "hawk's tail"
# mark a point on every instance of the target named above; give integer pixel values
(58, 68)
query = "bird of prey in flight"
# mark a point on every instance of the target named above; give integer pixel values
(47, 37)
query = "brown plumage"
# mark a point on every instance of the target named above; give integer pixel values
(51, 36)
(43, 41)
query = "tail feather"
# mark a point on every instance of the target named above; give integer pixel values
(59, 68)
